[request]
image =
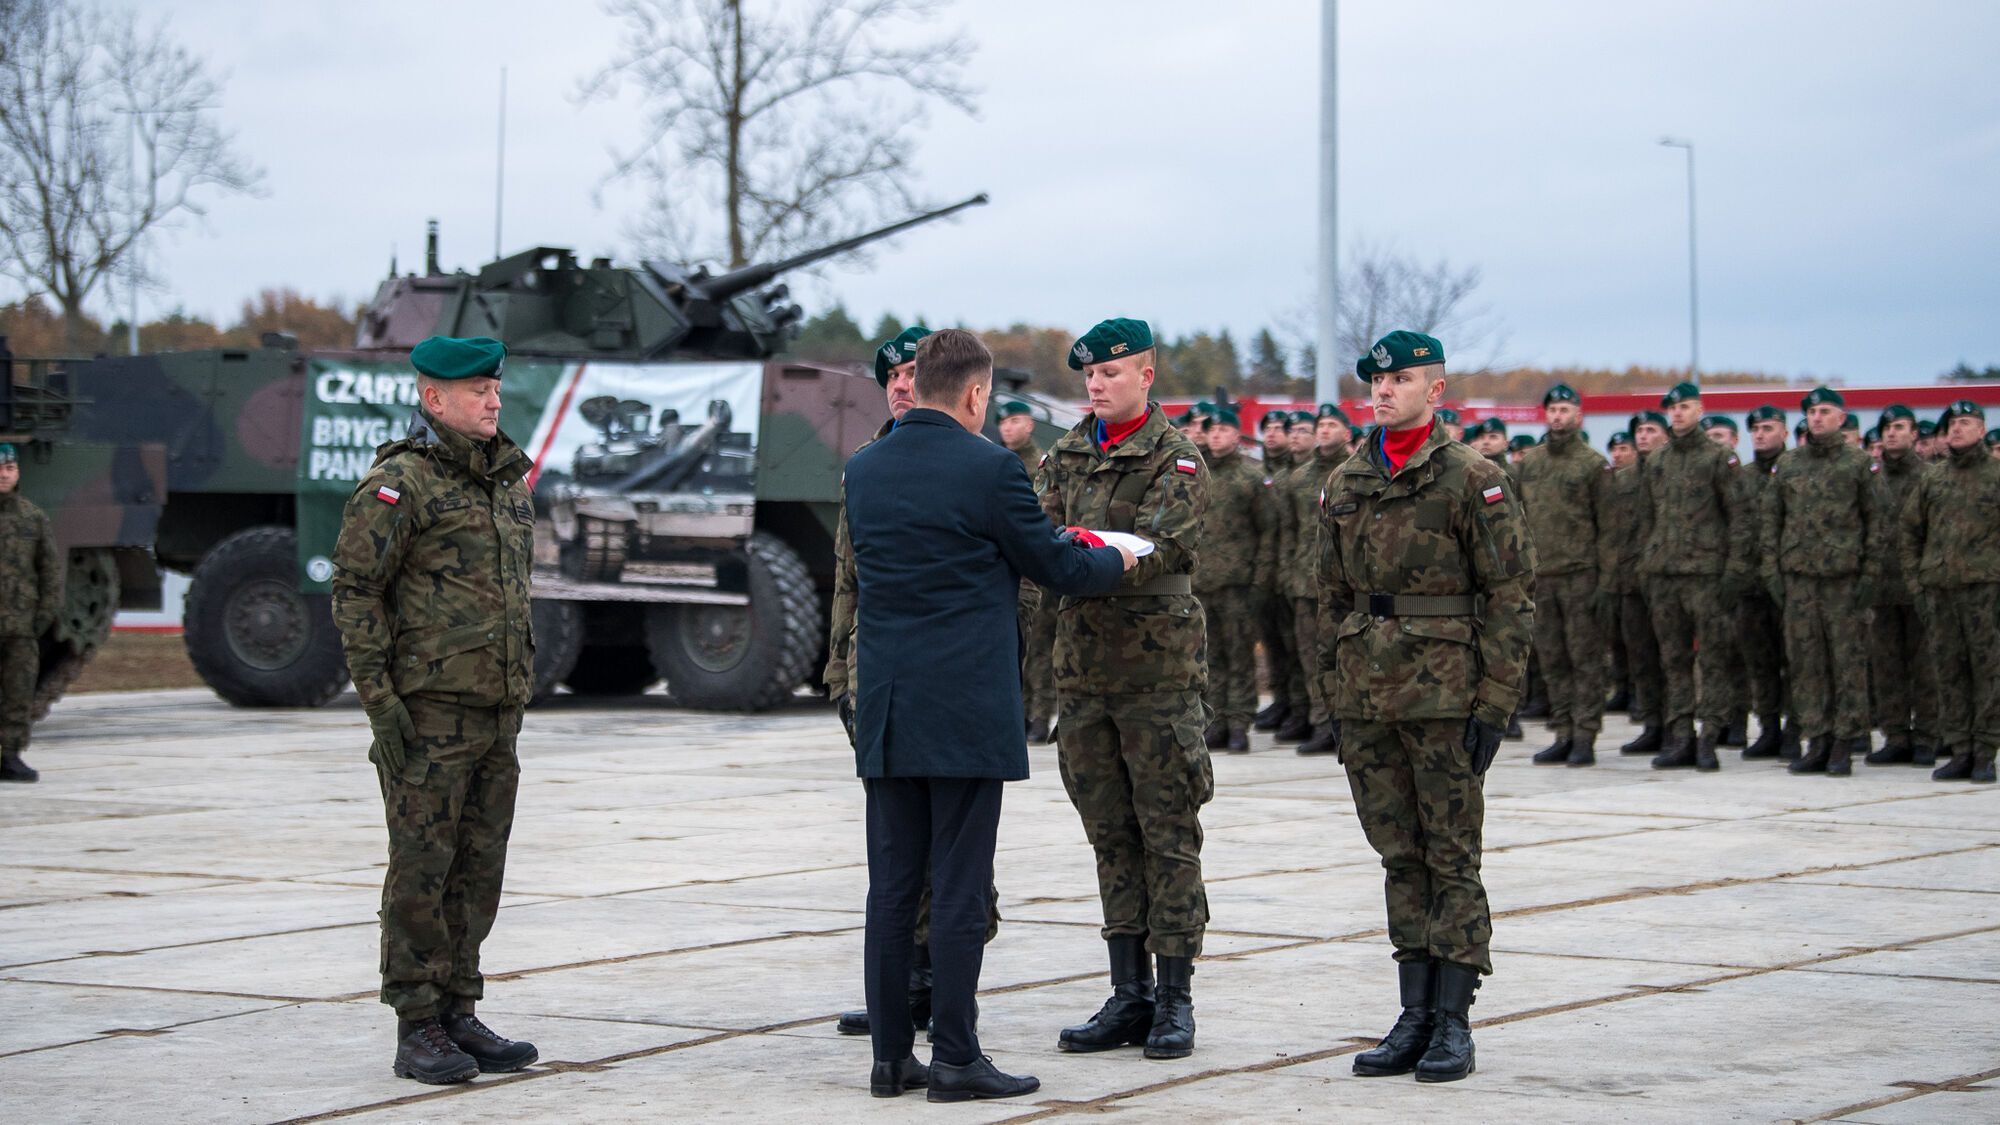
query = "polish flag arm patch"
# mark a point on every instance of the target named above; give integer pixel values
(1493, 495)
(388, 495)
(1184, 465)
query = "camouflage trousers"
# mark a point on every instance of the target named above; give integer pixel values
(1571, 645)
(1905, 680)
(1232, 654)
(1760, 634)
(923, 931)
(1137, 771)
(1277, 628)
(20, 663)
(1826, 645)
(450, 811)
(1964, 628)
(1642, 657)
(1305, 624)
(1693, 630)
(1038, 652)
(1424, 811)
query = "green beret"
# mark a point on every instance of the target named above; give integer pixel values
(1282, 417)
(1012, 407)
(1332, 410)
(1682, 392)
(1520, 441)
(1993, 437)
(1722, 420)
(1561, 392)
(1874, 434)
(1653, 416)
(1495, 425)
(1226, 415)
(1926, 429)
(898, 351)
(1799, 430)
(1618, 437)
(1850, 423)
(1399, 349)
(1822, 396)
(1202, 409)
(1443, 414)
(1355, 433)
(449, 357)
(7, 454)
(1185, 417)
(1119, 336)
(1897, 410)
(1767, 413)
(1963, 407)
(1309, 418)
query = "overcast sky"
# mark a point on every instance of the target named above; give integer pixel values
(1157, 159)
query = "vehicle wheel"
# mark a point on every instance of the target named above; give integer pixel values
(611, 670)
(90, 601)
(558, 642)
(742, 658)
(252, 635)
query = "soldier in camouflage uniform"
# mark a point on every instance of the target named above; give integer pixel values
(1951, 550)
(1298, 502)
(1721, 429)
(1129, 676)
(1760, 626)
(1696, 566)
(1619, 449)
(430, 592)
(31, 594)
(1426, 589)
(1561, 483)
(1236, 540)
(1288, 713)
(1038, 614)
(1627, 519)
(1905, 680)
(1820, 537)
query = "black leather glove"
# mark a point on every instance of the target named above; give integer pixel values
(1482, 742)
(844, 706)
(390, 723)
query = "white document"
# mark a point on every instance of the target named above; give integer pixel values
(1139, 547)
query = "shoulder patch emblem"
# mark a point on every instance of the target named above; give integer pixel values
(1733, 462)
(1184, 465)
(1494, 495)
(1874, 468)
(388, 495)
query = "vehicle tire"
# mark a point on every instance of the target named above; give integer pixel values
(611, 670)
(90, 601)
(742, 658)
(252, 635)
(558, 642)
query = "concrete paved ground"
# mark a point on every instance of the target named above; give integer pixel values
(187, 933)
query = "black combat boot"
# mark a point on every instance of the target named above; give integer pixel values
(1325, 739)
(1768, 738)
(1583, 750)
(1450, 1056)
(1127, 1017)
(1648, 742)
(1788, 742)
(1038, 732)
(1297, 727)
(1172, 1033)
(1840, 763)
(1406, 1042)
(976, 1079)
(1817, 753)
(1896, 751)
(1514, 732)
(1535, 708)
(1704, 752)
(12, 768)
(1736, 734)
(891, 1079)
(1621, 700)
(1923, 752)
(1217, 737)
(424, 1052)
(1556, 754)
(1272, 717)
(1982, 767)
(1958, 769)
(495, 1053)
(1676, 753)
(1239, 738)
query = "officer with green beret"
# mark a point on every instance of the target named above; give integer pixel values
(1562, 484)
(1328, 430)
(1904, 681)
(1286, 713)
(430, 593)
(1426, 588)
(1489, 438)
(1820, 552)
(31, 594)
(1448, 418)
(1622, 453)
(1234, 548)
(1697, 572)
(1760, 633)
(1951, 547)
(1721, 429)
(1627, 524)
(1928, 442)
(1129, 676)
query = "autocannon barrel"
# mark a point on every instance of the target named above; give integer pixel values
(724, 286)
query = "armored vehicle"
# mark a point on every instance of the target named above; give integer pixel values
(686, 482)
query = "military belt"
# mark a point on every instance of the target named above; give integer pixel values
(1423, 605)
(1155, 587)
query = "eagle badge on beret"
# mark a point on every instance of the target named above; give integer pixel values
(1381, 354)
(1082, 352)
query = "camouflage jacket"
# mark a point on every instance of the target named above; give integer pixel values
(1623, 526)
(1900, 474)
(1279, 465)
(431, 571)
(1822, 512)
(31, 569)
(1951, 523)
(1697, 510)
(1756, 483)
(1030, 455)
(839, 673)
(1154, 484)
(1447, 525)
(1238, 536)
(1298, 505)
(1560, 482)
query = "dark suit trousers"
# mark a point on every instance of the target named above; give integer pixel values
(948, 826)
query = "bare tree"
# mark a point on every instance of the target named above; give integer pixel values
(1382, 290)
(106, 136)
(768, 127)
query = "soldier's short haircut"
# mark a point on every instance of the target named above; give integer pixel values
(948, 360)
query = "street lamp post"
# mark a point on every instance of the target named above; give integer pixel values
(1694, 302)
(1326, 367)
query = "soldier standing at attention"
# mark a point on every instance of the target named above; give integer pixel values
(1287, 714)
(1905, 682)
(1721, 429)
(430, 592)
(1561, 482)
(1235, 542)
(1951, 549)
(1696, 567)
(1448, 418)
(1426, 586)
(1622, 453)
(1821, 533)
(1300, 500)
(1038, 612)
(1760, 624)
(1128, 681)
(31, 594)
(1628, 518)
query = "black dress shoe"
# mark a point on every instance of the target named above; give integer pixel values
(977, 1079)
(891, 1079)
(1557, 754)
(424, 1052)
(852, 1023)
(495, 1053)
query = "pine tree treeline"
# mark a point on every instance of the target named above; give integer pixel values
(33, 327)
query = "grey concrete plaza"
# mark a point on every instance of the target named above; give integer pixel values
(187, 933)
